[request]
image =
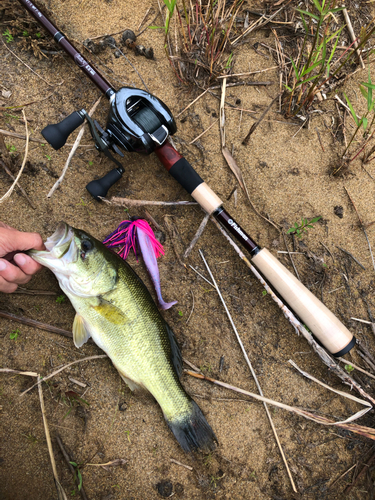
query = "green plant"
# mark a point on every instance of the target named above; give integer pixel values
(48, 157)
(11, 148)
(264, 293)
(78, 473)
(60, 299)
(31, 438)
(128, 435)
(38, 35)
(8, 36)
(349, 368)
(313, 66)
(170, 8)
(366, 89)
(298, 229)
(14, 334)
(25, 33)
(180, 313)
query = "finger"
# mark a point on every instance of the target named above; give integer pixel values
(7, 287)
(26, 263)
(13, 274)
(26, 241)
(11, 240)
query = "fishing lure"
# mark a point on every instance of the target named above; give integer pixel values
(138, 231)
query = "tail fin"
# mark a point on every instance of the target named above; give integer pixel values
(192, 430)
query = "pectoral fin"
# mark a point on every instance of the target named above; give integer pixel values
(110, 312)
(80, 332)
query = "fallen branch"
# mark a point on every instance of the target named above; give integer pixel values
(258, 122)
(23, 192)
(10, 190)
(197, 235)
(368, 432)
(43, 379)
(252, 371)
(71, 468)
(36, 324)
(60, 491)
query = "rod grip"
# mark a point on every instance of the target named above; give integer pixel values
(329, 331)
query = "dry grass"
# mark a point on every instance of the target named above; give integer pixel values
(198, 40)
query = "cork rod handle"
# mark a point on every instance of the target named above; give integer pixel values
(316, 316)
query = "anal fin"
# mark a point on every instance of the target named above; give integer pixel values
(133, 386)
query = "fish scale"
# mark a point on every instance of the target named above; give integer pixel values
(116, 309)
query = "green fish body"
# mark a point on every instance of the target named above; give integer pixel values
(115, 308)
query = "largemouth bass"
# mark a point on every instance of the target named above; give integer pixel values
(116, 310)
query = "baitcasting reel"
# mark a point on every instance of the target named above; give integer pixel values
(137, 122)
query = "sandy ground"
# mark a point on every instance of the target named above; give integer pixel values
(288, 177)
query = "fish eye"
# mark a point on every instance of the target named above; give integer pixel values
(86, 246)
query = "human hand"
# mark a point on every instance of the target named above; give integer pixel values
(17, 268)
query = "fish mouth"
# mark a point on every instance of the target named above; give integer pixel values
(60, 239)
(60, 246)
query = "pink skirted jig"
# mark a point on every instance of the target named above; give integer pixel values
(126, 237)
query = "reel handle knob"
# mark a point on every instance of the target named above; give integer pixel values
(100, 187)
(57, 135)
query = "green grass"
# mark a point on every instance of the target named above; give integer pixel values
(365, 122)
(313, 66)
(78, 474)
(60, 299)
(299, 229)
(14, 334)
(8, 36)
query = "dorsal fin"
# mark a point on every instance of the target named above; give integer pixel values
(176, 356)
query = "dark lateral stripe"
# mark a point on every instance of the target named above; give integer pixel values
(185, 174)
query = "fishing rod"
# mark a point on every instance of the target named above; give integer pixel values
(140, 122)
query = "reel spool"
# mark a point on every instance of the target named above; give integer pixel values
(137, 122)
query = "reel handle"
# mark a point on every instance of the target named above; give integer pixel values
(57, 135)
(99, 187)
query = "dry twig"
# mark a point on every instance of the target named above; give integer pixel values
(260, 119)
(368, 432)
(60, 491)
(251, 371)
(61, 369)
(352, 36)
(28, 67)
(197, 235)
(10, 190)
(363, 227)
(36, 324)
(71, 468)
(23, 192)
